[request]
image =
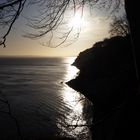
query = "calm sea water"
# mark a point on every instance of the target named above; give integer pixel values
(39, 99)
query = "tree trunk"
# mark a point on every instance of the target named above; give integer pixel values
(132, 11)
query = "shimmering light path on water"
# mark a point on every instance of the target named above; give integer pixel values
(39, 98)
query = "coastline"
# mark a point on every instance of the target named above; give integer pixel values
(107, 78)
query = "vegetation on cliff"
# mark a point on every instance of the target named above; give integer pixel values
(108, 78)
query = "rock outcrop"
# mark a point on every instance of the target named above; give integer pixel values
(107, 78)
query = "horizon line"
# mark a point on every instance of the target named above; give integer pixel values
(31, 56)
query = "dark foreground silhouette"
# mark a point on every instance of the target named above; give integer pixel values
(107, 77)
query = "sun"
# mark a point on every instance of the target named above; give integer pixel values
(76, 21)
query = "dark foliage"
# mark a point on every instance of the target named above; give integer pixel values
(108, 78)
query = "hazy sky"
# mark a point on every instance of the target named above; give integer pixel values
(93, 28)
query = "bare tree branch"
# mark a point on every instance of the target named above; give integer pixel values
(9, 3)
(9, 112)
(20, 8)
(119, 27)
(51, 15)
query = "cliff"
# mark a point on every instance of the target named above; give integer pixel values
(107, 77)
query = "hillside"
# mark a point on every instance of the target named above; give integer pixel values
(107, 78)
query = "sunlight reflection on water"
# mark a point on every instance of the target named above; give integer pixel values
(71, 71)
(75, 122)
(36, 92)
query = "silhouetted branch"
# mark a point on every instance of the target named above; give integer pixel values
(20, 4)
(119, 27)
(9, 112)
(74, 124)
(51, 15)
(9, 3)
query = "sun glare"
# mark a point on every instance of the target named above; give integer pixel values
(77, 21)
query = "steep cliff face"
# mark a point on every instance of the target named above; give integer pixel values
(107, 77)
(106, 70)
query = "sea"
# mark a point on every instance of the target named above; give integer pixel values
(36, 102)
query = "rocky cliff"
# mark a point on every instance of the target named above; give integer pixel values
(107, 77)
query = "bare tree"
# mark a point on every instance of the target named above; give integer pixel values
(50, 16)
(9, 12)
(119, 27)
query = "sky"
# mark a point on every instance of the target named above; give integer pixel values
(94, 27)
